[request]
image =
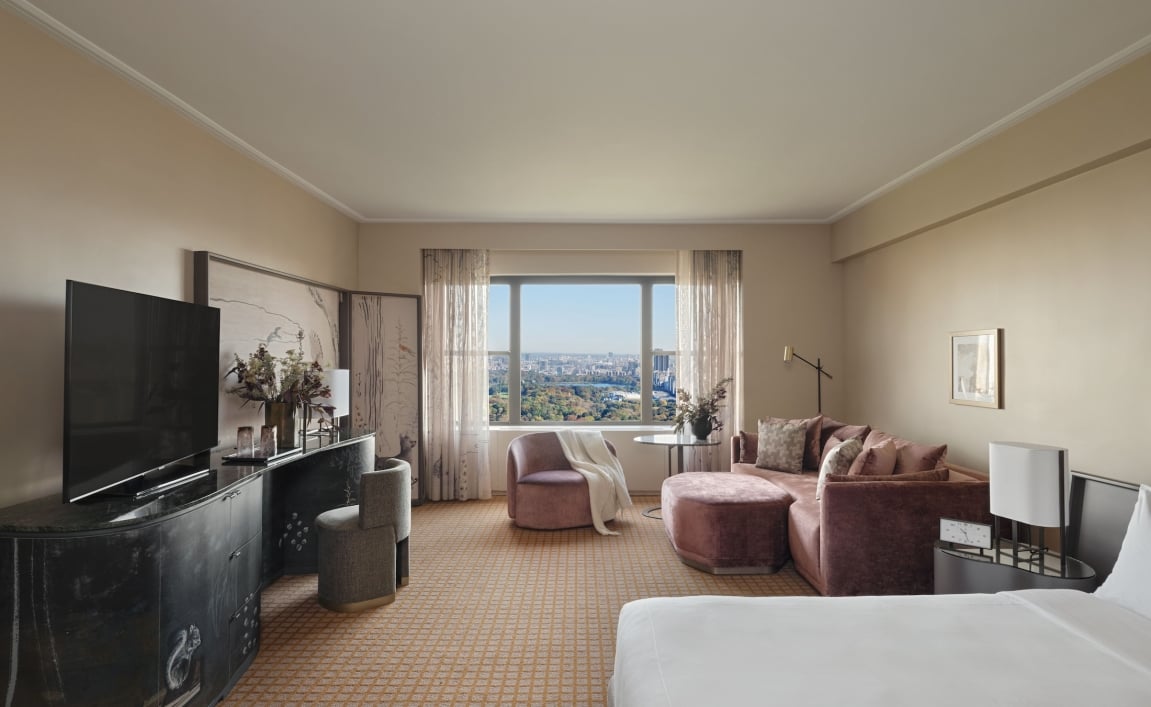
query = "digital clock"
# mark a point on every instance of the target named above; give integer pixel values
(963, 532)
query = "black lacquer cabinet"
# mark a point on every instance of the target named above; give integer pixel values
(157, 602)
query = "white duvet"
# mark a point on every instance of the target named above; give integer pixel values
(1031, 647)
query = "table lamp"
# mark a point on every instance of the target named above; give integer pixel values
(1028, 485)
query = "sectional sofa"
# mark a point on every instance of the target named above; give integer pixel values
(867, 533)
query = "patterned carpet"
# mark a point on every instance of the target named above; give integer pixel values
(494, 615)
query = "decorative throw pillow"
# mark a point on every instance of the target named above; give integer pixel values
(748, 444)
(781, 444)
(837, 462)
(842, 430)
(842, 434)
(1127, 584)
(940, 474)
(918, 457)
(875, 461)
(811, 448)
(909, 455)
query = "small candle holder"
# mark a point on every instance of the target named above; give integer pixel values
(245, 441)
(268, 441)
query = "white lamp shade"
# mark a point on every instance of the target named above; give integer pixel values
(339, 382)
(1027, 482)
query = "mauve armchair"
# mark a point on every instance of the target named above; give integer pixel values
(544, 492)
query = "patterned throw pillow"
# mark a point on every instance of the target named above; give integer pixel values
(837, 462)
(811, 448)
(781, 444)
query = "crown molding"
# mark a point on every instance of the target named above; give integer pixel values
(608, 222)
(1053, 96)
(69, 37)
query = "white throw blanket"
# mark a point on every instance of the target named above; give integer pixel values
(588, 454)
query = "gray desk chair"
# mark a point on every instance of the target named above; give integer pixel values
(364, 549)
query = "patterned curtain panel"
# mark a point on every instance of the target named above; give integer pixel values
(710, 323)
(456, 374)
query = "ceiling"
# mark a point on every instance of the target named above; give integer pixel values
(603, 110)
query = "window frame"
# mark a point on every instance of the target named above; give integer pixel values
(647, 353)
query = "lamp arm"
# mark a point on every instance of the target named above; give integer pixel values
(818, 368)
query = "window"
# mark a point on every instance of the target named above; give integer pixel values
(581, 349)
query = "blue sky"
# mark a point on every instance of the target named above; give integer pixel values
(582, 318)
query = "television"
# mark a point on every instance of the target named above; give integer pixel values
(141, 382)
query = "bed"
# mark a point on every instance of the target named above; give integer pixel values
(1030, 647)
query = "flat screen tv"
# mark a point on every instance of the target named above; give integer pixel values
(141, 382)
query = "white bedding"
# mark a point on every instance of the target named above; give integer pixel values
(1031, 647)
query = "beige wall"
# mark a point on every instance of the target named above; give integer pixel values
(791, 296)
(101, 183)
(1060, 263)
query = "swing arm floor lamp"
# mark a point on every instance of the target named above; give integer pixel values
(789, 353)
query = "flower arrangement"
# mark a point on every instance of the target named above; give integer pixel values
(265, 378)
(705, 409)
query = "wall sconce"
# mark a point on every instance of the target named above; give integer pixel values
(1028, 485)
(789, 352)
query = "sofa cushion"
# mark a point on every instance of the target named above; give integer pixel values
(914, 457)
(812, 449)
(842, 434)
(748, 444)
(877, 460)
(838, 461)
(909, 455)
(940, 474)
(832, 427)
(781, 444)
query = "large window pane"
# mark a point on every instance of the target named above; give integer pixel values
(580, 353)
(499, 317)
(575, 350)
(498, 388)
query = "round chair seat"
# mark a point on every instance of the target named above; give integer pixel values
(726, 523)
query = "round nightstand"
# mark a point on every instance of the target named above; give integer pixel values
(971, 571)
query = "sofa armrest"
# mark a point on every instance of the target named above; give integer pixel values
(878, 537)
(753, 441)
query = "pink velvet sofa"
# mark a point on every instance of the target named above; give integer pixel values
(867, 536)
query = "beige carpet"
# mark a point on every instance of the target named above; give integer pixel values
(494, 615)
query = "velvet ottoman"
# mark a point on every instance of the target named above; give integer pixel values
(726, 523)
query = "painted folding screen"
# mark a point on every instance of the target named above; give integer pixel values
(386, 384)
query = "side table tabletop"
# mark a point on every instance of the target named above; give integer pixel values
(969, 571)
(674, 442)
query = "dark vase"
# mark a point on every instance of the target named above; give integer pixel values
(283, 417)
(701, 428)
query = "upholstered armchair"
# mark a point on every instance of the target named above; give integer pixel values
(544, 492)
(364, 549)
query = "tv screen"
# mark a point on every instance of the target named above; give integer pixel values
(140, 386)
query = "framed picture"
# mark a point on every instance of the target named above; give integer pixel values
(976, 373)
(386, 379)
(263, 306)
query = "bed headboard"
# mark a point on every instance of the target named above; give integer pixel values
(1099, 511)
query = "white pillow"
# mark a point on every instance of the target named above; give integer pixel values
(837, 461)
(1129, 584)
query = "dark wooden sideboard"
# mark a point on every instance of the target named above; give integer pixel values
(118, 601)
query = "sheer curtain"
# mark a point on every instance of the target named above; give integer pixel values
(709, 318)
(456, 374)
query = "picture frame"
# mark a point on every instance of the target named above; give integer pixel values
(976, 368)
(385, 350)
(259, 305)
